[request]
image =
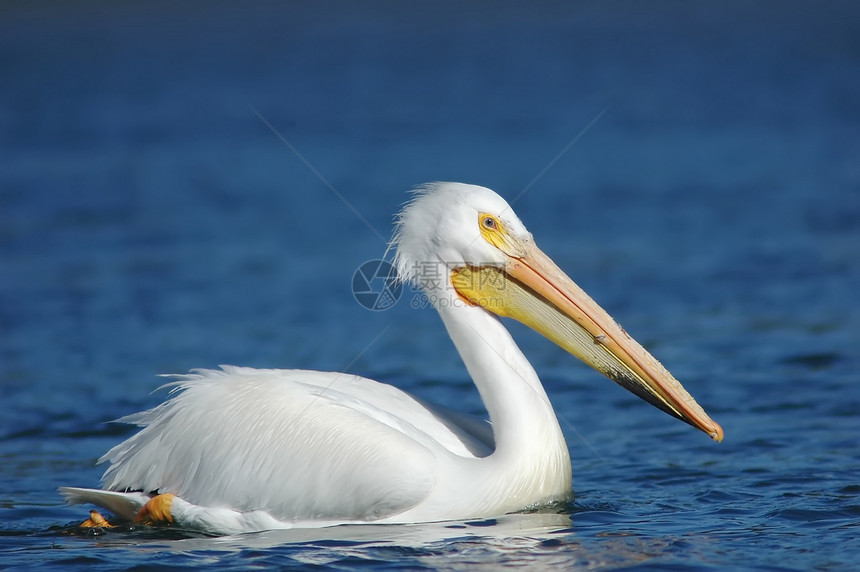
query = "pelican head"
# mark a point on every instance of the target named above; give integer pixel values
(463, 244)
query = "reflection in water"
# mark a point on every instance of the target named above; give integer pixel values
(545, 539)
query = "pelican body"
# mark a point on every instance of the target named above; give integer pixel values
(240, 449)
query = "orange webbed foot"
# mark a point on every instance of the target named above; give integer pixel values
(96, 520)
(156, 510)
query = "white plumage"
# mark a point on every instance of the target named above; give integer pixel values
(247, 449)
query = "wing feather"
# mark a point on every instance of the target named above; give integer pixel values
(297, 444)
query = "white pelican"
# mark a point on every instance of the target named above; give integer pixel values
(241, 449)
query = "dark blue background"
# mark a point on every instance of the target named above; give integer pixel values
(169, 180)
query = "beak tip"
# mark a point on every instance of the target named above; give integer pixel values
(716, 433)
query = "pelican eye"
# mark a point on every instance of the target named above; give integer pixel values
(492, 230)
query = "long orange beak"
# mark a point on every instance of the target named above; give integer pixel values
(533, 290)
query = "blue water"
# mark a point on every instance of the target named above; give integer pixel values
(170, 197)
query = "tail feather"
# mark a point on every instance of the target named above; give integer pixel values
(123, 505)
